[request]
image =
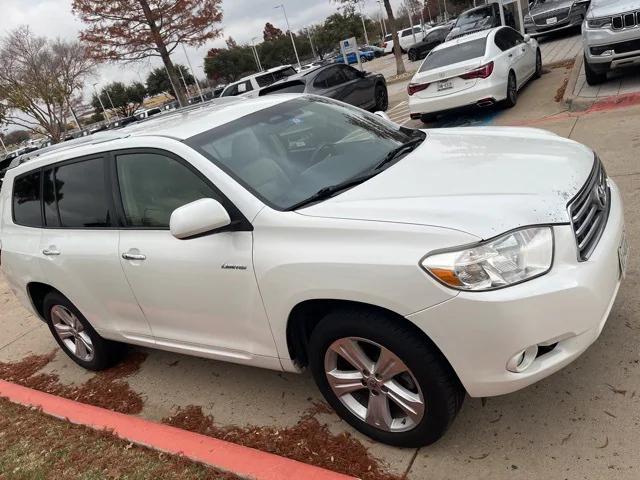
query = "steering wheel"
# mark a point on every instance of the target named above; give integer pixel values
(325, 146)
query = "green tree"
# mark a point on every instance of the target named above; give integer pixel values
(126, 98)
(226, 65)
(158, 80)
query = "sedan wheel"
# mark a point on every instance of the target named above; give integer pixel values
(383, 393)
(512, 91)
(381, 98)
(71, 332)
(538, 64)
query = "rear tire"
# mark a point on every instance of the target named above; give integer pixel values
(416, 373)
(76, 337)
(512, 91)
(381, 98)
(412, 55)
(427, 118)
(594, 76)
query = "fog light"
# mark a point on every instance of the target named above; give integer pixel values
(608, 53)
(522, 360)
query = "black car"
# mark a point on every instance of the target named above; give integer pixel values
(342, 82)
(432, 39)
(480, 18)
(546, 16)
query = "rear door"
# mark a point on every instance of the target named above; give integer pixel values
(332, 83)
(359, 88)
(79, 247)
(517, 53)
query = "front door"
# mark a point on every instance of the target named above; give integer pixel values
(199, 295)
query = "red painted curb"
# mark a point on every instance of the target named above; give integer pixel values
(242, 461)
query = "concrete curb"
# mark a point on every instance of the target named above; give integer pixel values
(574, 102)
(242, 461)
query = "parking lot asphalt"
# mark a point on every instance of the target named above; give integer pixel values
(579, 423)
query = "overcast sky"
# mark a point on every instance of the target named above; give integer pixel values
(243, 19)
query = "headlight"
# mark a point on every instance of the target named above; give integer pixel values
(503, 261)
(599, 22)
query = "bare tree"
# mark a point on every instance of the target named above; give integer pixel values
(132, 30)
(38, 79)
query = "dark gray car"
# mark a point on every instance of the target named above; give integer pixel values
(546, 16)
(342, 82)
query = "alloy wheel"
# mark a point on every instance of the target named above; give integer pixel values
(374, 384)
(72, 333)
(382, 102)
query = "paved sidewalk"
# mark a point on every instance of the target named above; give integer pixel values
(560, 48)
(621, 82)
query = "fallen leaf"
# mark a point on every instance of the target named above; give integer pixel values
(481, 457)
(565, 439)
(610, 414)
(616, 390)
(606, 443)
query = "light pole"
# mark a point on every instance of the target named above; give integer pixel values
(104, 110)
(193, 73)
(295, 50)
(313, 50)
(255, 53)
(384, 24)
(364, 27)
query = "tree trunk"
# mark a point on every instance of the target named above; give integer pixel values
(396, 40)
(164, 54)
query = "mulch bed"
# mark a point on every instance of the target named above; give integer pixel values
(106, 389)
(308, 441)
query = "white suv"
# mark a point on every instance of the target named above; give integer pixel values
(611, 35)
(250, 85)
(404, 267)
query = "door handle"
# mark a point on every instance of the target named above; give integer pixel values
(51, 252)
(134, 256)
(511, 55)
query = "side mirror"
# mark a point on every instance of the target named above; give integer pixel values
(196, 218)
(527, 38)
(382, 114)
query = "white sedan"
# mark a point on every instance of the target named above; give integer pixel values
(479, 69)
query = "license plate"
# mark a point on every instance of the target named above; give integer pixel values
(552, 20)
(623, 255)
(445, 85)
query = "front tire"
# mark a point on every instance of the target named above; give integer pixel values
(594, 77)
(413, 56)
(383, 378)
(76, 336)
(512, 91)
(538, 73)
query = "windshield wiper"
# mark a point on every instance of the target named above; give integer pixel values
(331, 190)
(396, 152)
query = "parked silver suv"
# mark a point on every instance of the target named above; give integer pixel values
(611, 36)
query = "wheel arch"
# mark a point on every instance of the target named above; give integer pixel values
(37, 292)
(306, 315)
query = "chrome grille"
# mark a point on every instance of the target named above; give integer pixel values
(589, 211)
(561, 14)
(625, 20)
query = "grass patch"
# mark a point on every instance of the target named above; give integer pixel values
(36, 446)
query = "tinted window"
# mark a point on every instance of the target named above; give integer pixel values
(329, 78)
(477, 17)
(406, 33)
(81, 194)
(438, 35)
(506, 39)
(26, 200)
(152, 186)
(264, 80)
(284, 73)
(350, 73)
(454, 54)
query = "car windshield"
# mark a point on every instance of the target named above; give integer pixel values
(454, 54)
(287, 153)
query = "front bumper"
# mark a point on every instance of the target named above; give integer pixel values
(624, 43)
(574, 20)
(479, 332)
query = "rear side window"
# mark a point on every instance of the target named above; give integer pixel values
(77, 196)
(454, 54)
(265, 80)
(26, 200)
(152, 186)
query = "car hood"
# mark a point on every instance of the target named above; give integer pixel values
(550, 6)
(602, 8)
(482, 180)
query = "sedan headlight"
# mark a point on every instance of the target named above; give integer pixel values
(506, 260)
(599, 22)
